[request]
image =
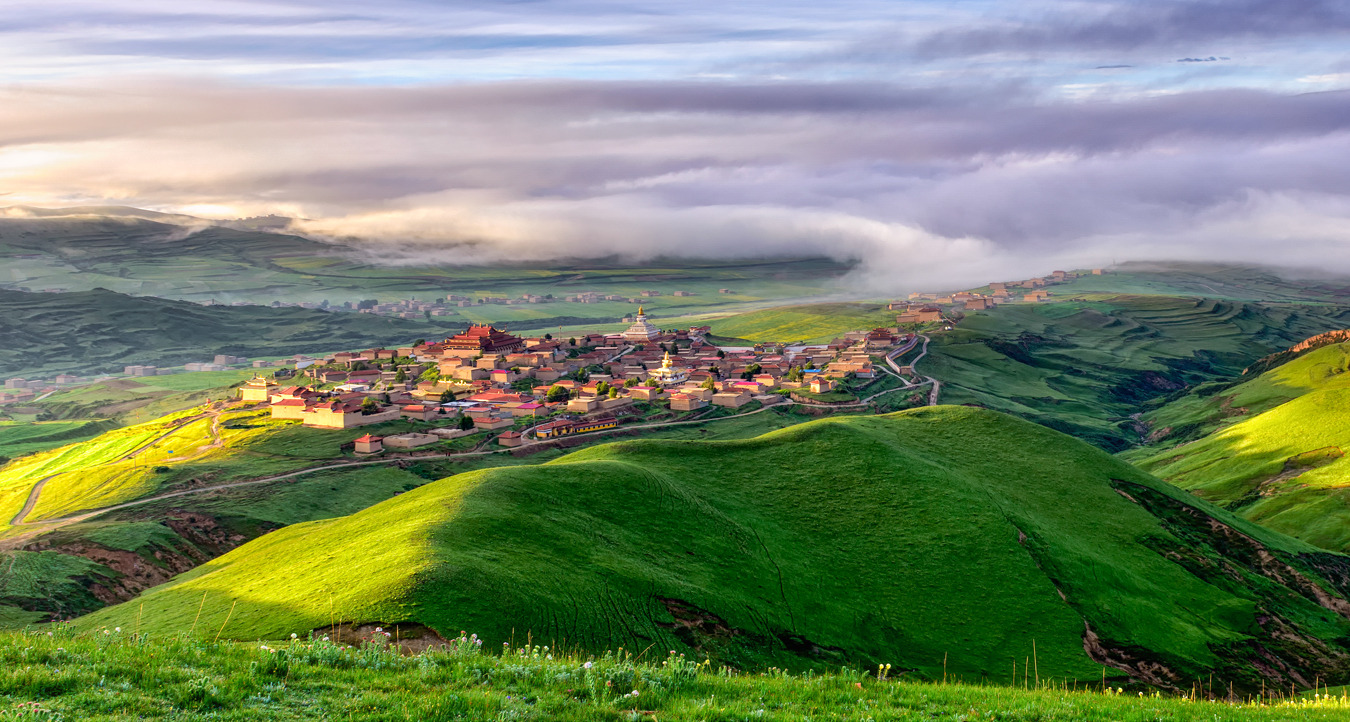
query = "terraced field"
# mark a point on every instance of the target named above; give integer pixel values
(1088, 366)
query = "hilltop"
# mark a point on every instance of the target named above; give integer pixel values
(852, 541)
(1270, 448)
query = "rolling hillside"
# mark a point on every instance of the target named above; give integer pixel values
(942, 539)
(1274, 449)
(1088, 366)
(102, 331)
(151, 254)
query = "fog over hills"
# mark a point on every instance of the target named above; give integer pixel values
(934, 143)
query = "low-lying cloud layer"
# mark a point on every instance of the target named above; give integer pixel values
(930, 172)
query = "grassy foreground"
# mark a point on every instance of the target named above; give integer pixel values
(116, 674)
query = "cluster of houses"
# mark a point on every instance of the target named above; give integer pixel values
(928, 307)
(486, 379)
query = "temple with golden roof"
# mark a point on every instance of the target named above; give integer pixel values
(667, 375)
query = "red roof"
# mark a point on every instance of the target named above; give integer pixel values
(368, 438)
(289, 402)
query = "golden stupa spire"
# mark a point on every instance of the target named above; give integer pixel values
(639, 310)
(665, 363)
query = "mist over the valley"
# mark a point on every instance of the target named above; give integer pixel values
(935, 146)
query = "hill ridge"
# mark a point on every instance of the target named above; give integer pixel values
(826, 543)
(1280, 358)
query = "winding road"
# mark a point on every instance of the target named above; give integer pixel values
(47, 525)
(892, 356)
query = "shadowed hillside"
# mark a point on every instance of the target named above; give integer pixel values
(938, 535)
(102, 331)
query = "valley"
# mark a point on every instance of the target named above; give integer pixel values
(739, 534)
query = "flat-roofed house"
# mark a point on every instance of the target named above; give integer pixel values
(731, 399)
(368, 444)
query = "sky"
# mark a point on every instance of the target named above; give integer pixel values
(936, 143)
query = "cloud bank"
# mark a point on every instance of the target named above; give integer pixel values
(945, 149)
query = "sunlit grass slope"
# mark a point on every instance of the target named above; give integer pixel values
(812, 323)
(1285, 466)
(1087, 366)
(943, 533)
(1211, 406)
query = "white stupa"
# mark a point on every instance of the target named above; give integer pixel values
(641, 331)
(667, 375)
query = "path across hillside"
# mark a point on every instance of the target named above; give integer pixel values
(216, 443)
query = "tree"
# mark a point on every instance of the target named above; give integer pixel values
(447, 396)
(385, 398)
(524, 386)
(613, 393)
(709, 385)
(557, 393)
(426, 315)
(572, 341)
(366, 303)
(602, 388)
(360, 366)
(721, 353)
(548, 337)
(401, 376)
(465, 423)
(630, 383)
(369, 406)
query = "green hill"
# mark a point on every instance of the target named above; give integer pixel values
(941, 538)
(1277, 456)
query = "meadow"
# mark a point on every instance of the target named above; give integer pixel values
(121, 675)
(849, 540)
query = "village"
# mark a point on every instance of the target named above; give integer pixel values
(462, 369)
(929, 307)
(530, 389)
